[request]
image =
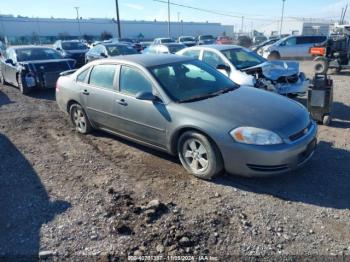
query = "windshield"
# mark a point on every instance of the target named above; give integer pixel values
(191, 81)
(206, 37)
(167, 40)
(175, 48)
(73, 46)
(30, 54)
(120, 50)
(242, 59)
(185, 39)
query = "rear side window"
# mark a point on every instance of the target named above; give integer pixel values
(83, 75)
(103, 76)
(133, 81)
(192, 53)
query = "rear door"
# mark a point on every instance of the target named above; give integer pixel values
(143, 120)
(99, 95)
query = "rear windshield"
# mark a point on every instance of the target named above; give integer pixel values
(175, 48)
(73, 46)
(30, 54)
(185, 39)
(120, 50)
(167, 40)
(206, 37)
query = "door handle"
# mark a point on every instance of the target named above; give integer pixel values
(85, 92)
(122, 102)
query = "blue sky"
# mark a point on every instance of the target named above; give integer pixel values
(255, 11)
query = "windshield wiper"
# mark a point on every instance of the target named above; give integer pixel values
(202, 97)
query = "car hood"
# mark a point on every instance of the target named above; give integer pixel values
(273, 70)
(252, 107)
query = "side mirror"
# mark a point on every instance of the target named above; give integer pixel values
(224, 67)
(9, 61)
(147, 96)
(103, 55)
(58, 49)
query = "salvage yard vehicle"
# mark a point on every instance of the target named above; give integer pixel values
(333, 53)
(185, 107)
(292, 47)
(105, 50)
(162, 41)
(224, 40)
(170, 48)
(187, 41)
(247, 68)
(205, 40)
(31, 67)
(258, 48)
(74, 49)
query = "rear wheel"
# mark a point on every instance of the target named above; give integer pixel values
(199, 155)
(79, 119)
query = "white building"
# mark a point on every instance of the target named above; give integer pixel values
(17, 29)
(298, 26)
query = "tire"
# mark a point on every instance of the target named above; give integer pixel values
(274, 56)
(199, 156)
(79, 119)
(24, 90)
(327, 119)
(321, 65)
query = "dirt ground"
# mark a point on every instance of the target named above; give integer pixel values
(67, 195)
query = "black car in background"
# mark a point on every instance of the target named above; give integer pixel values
(205, 40)
(105, 50)
(30, 67)
(74, 49)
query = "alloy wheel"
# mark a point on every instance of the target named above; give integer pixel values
(79, 120)
(195, 155)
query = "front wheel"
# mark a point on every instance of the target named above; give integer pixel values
(199, 155)
(79, 119)
(22, 87)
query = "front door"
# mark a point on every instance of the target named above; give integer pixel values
(144, 120)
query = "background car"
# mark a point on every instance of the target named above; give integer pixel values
(105, 50)
(134, 44)
(259, 39)
(224, 40)
(74, 49)
(258, 48)
(163, 40)
(185, 107)
(292, 47)
(170, 48)
(245, 67)
(205, 40)
(187, 41)
(30, 67)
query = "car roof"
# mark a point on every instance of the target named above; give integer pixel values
(149, 60)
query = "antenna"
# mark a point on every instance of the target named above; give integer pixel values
(341, 15)
(346, 9)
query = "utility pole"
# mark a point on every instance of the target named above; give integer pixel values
(283, 1)
(118, 19)
(78, 18)
(242, 26)
(168, 18)
(178, 21)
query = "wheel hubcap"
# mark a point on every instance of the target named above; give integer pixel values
(79, 120)
(195, 155)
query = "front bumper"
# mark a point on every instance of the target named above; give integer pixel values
(259, 161)
(298, 88)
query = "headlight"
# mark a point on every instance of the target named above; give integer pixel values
(255, 136)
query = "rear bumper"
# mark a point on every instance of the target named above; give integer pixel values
(260, 161)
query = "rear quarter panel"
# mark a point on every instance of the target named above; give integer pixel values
(67, 91)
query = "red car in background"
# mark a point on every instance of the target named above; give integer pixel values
(224, 40)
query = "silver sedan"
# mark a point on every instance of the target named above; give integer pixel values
(187, 108)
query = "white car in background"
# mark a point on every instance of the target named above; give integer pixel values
(245, 67)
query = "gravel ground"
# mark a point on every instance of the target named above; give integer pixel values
(99, 196)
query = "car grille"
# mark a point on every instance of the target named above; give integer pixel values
(270, 169)
(301, 133)
(288, 79)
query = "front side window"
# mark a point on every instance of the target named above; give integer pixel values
(212, 59)
(133, 81)
(103, 76)
(242, 59)
(291, 41)
(191, 80)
